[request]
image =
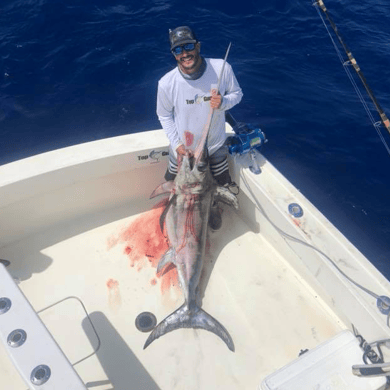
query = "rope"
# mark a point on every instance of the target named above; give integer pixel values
(367, 347)
(294, 239)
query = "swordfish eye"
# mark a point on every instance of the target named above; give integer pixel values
(202, 166)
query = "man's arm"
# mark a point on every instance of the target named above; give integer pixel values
(165, 113)
(233, 93)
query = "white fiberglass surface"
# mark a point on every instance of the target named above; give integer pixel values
(108, 260)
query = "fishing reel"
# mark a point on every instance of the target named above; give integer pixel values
(247, 140)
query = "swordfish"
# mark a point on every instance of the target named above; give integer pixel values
(186, 218)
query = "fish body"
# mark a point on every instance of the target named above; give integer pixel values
(186, 219)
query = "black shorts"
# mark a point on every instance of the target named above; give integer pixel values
(218, 165)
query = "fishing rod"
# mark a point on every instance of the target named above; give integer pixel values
(319, 4)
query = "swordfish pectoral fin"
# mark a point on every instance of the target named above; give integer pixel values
(165, 212)
(197, 318)
(222, 194)
(168, 257)
(164, 188)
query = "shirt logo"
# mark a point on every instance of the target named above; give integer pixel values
(198, 99)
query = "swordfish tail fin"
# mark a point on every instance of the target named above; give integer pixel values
(195, 318)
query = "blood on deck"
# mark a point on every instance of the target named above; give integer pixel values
(146, 244)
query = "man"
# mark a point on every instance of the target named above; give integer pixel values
(184, 99)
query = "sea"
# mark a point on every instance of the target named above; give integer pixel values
(75, 71)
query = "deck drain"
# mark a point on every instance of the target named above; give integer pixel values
(295, 210)
(383, 304)
(145, 321)
(5, 305)
(17, 338)
(40, 375)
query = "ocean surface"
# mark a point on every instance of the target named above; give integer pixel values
(76, 71)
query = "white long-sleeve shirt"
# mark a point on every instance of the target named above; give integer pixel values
(183, 105)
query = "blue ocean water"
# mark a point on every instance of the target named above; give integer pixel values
(76, 71)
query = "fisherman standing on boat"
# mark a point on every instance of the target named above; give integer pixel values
(184, 98)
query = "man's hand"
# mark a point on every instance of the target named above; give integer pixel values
(182, 151)
(216, 99)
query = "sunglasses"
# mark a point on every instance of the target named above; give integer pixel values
(179, 49)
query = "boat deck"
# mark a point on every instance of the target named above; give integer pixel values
(108, 260)
(79, 232)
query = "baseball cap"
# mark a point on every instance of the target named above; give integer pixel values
(181, 35)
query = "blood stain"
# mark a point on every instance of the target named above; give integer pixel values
(146, 244)
(114, 296)
(112, 283)
(189, 138)
(297, 222)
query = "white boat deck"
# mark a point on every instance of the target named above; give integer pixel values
(82, 227)
(270, 312)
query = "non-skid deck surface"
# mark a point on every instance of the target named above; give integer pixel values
(108, 260)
